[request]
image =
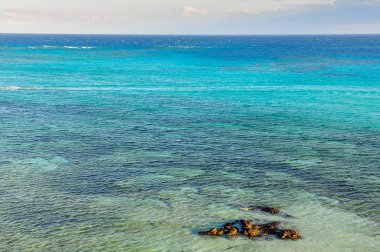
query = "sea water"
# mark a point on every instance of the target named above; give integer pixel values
(136, 143)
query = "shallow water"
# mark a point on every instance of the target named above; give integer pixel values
(135, 143)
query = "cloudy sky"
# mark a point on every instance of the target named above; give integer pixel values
(190, 16)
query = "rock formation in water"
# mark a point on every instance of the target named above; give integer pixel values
(289, 234)
(265, 209)
(249, 229)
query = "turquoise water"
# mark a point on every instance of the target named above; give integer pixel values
(135, 143)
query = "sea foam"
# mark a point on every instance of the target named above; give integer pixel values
(10, 88)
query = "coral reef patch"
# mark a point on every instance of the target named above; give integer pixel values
(265, 209)
(251, 229)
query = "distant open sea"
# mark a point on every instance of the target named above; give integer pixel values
(136, 143)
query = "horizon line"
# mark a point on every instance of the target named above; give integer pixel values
(191, 34)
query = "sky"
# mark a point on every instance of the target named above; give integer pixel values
(190, 16)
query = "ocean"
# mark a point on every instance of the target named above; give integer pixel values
(136, 143)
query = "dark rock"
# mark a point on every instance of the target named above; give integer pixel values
(211, 232)
(234, 231)
(271, 228)
(289, 234)
(228, 226)
(266, 209)
(246, 224)
(253, 232)
(220, 232)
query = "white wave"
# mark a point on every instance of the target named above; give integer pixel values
(293, 88)
(78, 47)
(71, 47)
(15, 88)
(42, 47)
(10, 88)
(48, 46)
(59, 47)
(180, 47)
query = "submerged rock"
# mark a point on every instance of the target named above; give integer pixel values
(252, 230)
(272, 227)
(260, 230)
(255, 231)
(228, 226)
(246, 224)
(265, 209)
(271, 210)
(234, 231)
(211, 232)
(220, 232)
(289, 234)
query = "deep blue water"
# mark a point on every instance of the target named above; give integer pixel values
(130, 143)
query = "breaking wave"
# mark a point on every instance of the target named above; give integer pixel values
(60, 47)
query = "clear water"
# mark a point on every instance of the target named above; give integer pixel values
(135, 143)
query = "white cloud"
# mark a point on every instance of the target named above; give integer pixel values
(189, 11)
(36, 16)
(175, 16)
(252, 7)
